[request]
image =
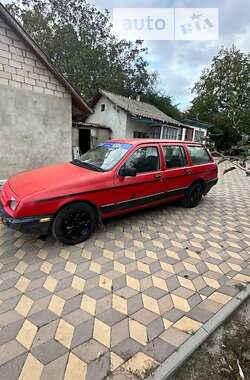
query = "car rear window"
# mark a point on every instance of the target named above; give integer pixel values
(199, 155)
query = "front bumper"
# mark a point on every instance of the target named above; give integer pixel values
(38, 225)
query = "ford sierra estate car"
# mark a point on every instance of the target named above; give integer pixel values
(71, 199)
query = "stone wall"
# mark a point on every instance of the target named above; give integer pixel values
(20, 68)
(35, 110)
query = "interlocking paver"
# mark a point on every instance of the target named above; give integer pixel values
(10, 350)
(127, 348)
(159, 349)
(45, 333)
(49, 351)
(174, 336)
(99, 368)
(119, 332)
(9, 317)
(83, 333)
(13, 368)
(26, 334)
(55, 369)
(128, 297)
(140, 364)
(90, 351)
(10, 331)
(42, 318)
(76, 368)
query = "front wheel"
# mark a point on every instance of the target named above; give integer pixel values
(193, 196)
(74, 223)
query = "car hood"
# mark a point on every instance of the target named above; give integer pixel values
(49, 178)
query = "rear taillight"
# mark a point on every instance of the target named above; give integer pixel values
(216, 170)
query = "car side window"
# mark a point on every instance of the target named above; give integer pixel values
(198, 155)
(144, 160)
(175, 156)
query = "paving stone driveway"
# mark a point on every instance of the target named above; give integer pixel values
(127, 298)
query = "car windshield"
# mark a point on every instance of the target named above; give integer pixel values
(104, 157)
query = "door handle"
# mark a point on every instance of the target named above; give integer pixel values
(189, 171)
(158, 176)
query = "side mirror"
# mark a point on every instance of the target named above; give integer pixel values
(127, 172)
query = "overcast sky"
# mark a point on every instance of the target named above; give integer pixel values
(179, 63)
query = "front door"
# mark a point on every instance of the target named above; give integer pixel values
(146, 186)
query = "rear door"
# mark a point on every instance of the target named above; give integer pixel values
(202, 163)
(146, 186)
(177, 172)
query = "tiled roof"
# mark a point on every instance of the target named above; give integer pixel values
(138, 108)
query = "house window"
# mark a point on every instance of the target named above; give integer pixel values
(199, 135)
(170, 133)
(102, 107)
(140, 135)
(153, 133)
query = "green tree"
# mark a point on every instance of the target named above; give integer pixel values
(222, 134)
(222, 95)
(79, 41)
(163, 102)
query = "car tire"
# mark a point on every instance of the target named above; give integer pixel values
(74, 223)
(193, 195)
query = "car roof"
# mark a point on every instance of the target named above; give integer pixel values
(153, 141)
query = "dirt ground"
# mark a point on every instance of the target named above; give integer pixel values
(225, 355)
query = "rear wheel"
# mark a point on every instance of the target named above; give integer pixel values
(74, 223)
(193, 195)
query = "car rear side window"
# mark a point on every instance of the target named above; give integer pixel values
(175, 156)
(199, 155)
(145, 159)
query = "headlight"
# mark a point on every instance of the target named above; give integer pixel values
(13, 204)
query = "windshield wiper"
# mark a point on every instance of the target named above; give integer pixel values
(87, 165)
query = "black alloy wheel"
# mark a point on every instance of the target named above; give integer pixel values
(74, 223)
(193, 195)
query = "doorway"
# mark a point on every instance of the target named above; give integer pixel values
(84, 140)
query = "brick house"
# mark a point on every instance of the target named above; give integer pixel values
(37, 104)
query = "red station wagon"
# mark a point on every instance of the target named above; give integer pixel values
(117, 176)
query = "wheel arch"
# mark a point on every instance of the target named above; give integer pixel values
(199, 180)
(78, 201)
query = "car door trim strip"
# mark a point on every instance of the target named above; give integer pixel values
(142, 200)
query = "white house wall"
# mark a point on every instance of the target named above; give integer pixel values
(113, 117)
(133, 126)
